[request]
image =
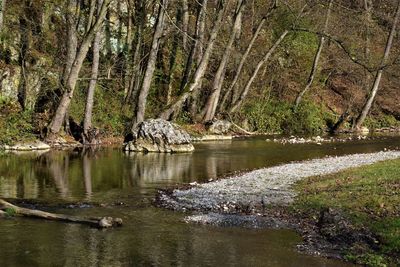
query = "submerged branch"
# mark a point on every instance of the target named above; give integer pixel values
(102, 222)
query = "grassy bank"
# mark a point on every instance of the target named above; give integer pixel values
(370, 198)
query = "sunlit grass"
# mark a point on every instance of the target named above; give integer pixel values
(369, 195)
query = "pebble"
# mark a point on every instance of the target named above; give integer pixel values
(269, 185)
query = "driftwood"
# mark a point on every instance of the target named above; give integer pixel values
(102, 222)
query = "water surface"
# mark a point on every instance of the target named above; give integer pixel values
(150, 236)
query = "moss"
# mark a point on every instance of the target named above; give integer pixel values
(10, 212)
(370, 196)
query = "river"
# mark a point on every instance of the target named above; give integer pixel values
(126, 184)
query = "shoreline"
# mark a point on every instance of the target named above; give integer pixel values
(242, 201)
(40, 145)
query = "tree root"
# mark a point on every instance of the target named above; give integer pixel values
(101, 222)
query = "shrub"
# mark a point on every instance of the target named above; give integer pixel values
(275, 116)
(15, 125)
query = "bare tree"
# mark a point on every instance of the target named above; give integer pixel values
(230, 92)
(2, 9)
(375, 87)
(199, 55)
(70, 83)
(196, 48)
(87, 121)
(261, 63)
(201, 68)
(151, 65)
(368, 6)
(213, 99)
(185, 22)
(135, 78)
(317, 56)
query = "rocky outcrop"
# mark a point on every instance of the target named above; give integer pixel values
(218, 126)
(157, 135)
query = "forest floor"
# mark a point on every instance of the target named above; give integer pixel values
(344, 207)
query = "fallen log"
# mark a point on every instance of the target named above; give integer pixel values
(99, 222)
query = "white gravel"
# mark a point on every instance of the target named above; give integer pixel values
(264, 186)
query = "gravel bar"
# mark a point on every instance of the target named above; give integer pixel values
(264, 186)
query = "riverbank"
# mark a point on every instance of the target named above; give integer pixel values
(269, 199)
(368, 199)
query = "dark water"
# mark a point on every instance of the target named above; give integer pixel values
(150, 236)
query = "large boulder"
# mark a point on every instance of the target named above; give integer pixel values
(157, 135)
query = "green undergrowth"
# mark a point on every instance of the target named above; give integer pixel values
(15, 125)
(370, 197)
(276, 116)
(108, 114)
(381, 121)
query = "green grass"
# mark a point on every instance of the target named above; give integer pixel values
(370, 196)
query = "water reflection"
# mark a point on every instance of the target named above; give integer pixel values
(154, 168)
(150, 236)
(88, 173)
(100, 174)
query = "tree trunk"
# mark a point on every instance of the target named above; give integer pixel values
(231, 91)
(72, 43)
(316, 58)
(92, 7)
(135, 80)
(107, 31)
(87, 121)
(57, 120)
(201, 69)
(367, 50)
(264, 60)
(185, 23)
(367, 106)
(368, 22)
(128, 50)
(2, 10)
(120, 43)
(151, 64)
(172, 60)
(241, 64)
(213, 99)
(200, 32)
(104, 222)
(25, 29)
(195, 49)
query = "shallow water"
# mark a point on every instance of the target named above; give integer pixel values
(150, 236)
